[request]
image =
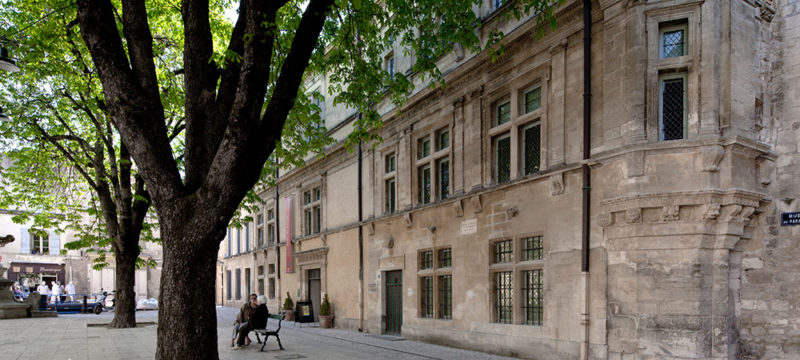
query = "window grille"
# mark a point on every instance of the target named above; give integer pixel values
(446, 297)
(427, 297)
(424, 148)
(532, 143)
(532, 292)
(426, 260)
(532, 248)
(445, 258)
(504, 297)
(504, 251)
(672, 108)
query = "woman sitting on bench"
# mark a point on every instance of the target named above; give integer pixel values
(253, 315)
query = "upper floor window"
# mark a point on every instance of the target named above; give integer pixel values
(502, 113)
(672, 39)
(312, 211)
(260, 230)
(40, 242)
(433, 169)
(389, 64)
(271, 227)
(672, 107)
(390, 184)
(532, 100)
(496, 4)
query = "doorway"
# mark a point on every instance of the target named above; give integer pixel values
(394, 302)
(314, 285)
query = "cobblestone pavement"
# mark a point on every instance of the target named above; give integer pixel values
(84, 337)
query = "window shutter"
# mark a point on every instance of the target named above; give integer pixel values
(55, 248)
(25, 241)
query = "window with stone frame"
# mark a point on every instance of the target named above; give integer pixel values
(271, 281)
(671, 71)
(238, 284)
(672, 39)
(260, 229)
(388, 64)
(517, 280)
(672, 119)
(433, 169)
(390, 183)
(312, 211)
(228, 285)
(271, 240)
(435, 283)
(516, 131)
(40, 242)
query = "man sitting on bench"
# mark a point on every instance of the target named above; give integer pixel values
(253, 315)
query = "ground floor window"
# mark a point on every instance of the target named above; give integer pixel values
(427, 297)
(504, 297)
(228, 284)
(446, 297)
(532, 306)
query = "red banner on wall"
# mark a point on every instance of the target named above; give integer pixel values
(289, 250)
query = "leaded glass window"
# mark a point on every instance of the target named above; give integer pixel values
(532, 304)
(424, 184)
(533, 100)
(673, 105)
(446, 297)
(504, 251)
(673, 43)
(504, 297)
(532, 148)
(503, 114)
(427, 297)
(443, 179)
(502, 158)
(445, 258)
(532, 248)
(426, 260)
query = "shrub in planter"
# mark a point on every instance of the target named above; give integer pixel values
(325, 317)
(288, 308)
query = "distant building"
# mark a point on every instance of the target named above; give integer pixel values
(472, 205)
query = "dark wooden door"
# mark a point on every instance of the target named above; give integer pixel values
(394, 302)
(314, 291)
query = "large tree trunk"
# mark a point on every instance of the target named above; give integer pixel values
(125, 297)
(187, 321)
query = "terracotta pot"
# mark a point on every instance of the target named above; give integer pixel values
(288, 315)
(326, 322)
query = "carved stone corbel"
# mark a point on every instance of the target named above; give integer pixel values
(711, 157)
(711, 211)
(633, 216)
(407, 218)
(476, 203)
(557, 184)
(458, 209)
(671, 212)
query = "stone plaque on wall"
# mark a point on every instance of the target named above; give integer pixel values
(469, 226)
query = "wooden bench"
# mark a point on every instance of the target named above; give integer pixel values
(267, 332)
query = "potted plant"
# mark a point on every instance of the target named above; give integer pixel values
(325, 317)
(288, 308)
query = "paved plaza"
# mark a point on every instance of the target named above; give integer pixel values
(85, 337)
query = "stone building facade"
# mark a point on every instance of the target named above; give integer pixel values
(471, 231)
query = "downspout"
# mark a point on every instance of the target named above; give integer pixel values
(360, 242)
(587, 183)
(278, 240)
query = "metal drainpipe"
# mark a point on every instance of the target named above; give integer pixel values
(360, 242)
(586, 171)
(278, 242)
